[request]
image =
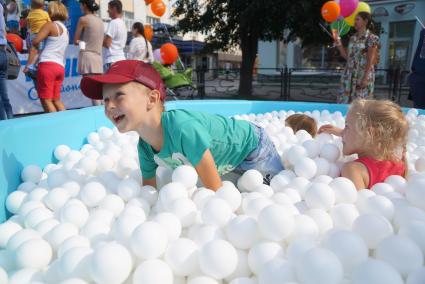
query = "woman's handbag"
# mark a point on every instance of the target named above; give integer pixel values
(13, 62)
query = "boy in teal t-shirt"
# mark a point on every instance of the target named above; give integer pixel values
(133, 93)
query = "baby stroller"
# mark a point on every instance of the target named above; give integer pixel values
(179, 83)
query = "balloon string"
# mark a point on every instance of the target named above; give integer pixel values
(171, 40)
(326, 30)
(420, 22)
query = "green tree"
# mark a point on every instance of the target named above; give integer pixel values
(229, 23)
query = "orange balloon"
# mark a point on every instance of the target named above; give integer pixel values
(158, 8)
(169, 53)
(148, 32)
(330, 11)
(16, 41)
(147, 2)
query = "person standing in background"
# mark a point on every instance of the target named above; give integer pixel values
(358, 78)
(5, 106)
(89, 36)
(140, 48)
(12, 21)
(417, 77)
(115, 36)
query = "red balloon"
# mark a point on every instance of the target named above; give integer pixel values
(169, 53)
(16, 41)
(330, 11)
(158, 8)
(147, 2)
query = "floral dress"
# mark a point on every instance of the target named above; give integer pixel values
(355, 70)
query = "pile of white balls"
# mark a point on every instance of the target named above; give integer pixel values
(88, 219)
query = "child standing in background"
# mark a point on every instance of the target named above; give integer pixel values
(375, 130)
(36, 19)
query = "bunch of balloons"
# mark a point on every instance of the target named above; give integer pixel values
(342, 13)
(167, 54)
(157, 6)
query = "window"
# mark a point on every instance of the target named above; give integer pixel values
(152, 20)
(128, 19)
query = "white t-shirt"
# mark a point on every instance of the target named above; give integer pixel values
(139, 51)
(118, 32)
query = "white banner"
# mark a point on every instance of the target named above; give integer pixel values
(24, 98)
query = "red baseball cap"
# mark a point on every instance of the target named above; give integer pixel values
(123, 72)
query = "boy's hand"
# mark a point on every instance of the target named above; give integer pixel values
(330, 129)
(207, 172)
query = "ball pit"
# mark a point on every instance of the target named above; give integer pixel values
(77, 212)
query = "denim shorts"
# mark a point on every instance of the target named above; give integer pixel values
(264, 158)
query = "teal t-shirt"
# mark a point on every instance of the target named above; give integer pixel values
(188, 134)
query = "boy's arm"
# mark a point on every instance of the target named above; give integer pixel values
(151, 182)
(207, 171)
(357, 173)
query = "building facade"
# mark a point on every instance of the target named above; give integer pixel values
(399, 37)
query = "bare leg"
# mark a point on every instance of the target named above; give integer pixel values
(58, 105)
(48, 105)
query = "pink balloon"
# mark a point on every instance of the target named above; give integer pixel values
(157, 55)
(348, 7)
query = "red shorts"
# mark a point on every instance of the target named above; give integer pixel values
(50, 76)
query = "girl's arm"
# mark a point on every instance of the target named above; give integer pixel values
(341, 49)
(357, 173)
(330, 129)
(80, 26)
(207, 171)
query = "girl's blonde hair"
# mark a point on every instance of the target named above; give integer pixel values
(57, 11)
(383, 127)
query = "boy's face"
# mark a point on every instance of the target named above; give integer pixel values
(126, 105)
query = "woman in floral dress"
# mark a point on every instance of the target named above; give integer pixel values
(358, 78)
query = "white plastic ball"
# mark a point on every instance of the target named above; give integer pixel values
(261, 253)
(36, 216)
(60, 233)
(26, 186)
(61, 151)
(31, 173)
(320, 196)
(46, 226)
(124, 226)
(420, 164)
(7, 230)
(73, 242)
(111, 263)
(343, 215)
(75, 213)
(153, 272)
(216, 212)
(185, 175)
(182, 256)
(319, 265)
(415, 230)
(128, 189)
(35, 253)
(380, 205)
(277, 271)
(171, 225)
(401, 253)
(231, 194)
(294, 153)
(242, 268)
(305, 167)
(312, 147)
(279, 182)
(92, 194)
(113, 203)
(75, 263)
(202, 280)
(242, 231)
(149, 240)
(250, 180)
(374, 271)
(372, 228)
(323, 179)
(415, 193)
(322, 165)
(87, 165)
(348, 247)
(344, 189)
(37, 194)
(171, 192)
(397, 182)
(149, 193)
(15, 200)
(218, 259)
(275, 223)
(56, 178)
(3, 276)
(185, 210)
(202, 234)
(330, 152)
(322, 218)
(304, 227)
(56, 198)
(416, 277)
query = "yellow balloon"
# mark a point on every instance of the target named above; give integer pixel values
(362, 7)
